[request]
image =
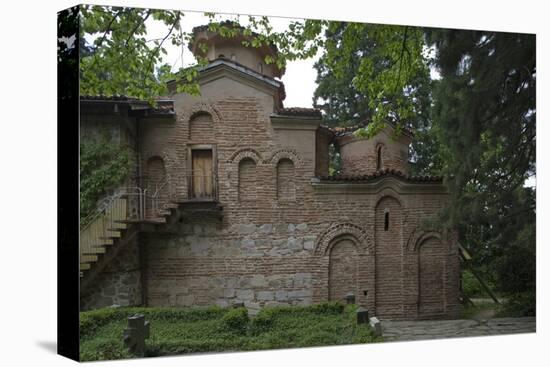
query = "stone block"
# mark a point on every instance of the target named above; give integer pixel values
(309, 245)
(248, 243)
(291, 228)
(266, 228)
(281, 295)
(258, 281)
(294, 244)
(265, 296)
(301, 226)
(376, 326)
(247, 228)
(299, 294)
(109, 291)
(302, 280)
(229, 293)
(245, 294)
(197, 229)
(185, 299)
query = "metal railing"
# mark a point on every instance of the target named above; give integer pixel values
(100, 227)
(130, 204)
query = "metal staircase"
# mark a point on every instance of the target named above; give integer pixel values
(112, 221)
(121, 216)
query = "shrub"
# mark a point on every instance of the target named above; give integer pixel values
(520, 305)
(236, 320)
(470, 285)
(103, 349)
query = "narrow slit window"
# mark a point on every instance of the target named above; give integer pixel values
(379, 158)
(386, 221)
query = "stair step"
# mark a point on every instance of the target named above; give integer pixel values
(85, 266)
(107, 241)
(118, 225)
(114, 233)
(88, 258)
(95, 250)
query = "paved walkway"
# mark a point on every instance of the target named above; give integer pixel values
(418, 330)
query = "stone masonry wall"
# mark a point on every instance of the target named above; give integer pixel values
(269, 251)
(119, 284)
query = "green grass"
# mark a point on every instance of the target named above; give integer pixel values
(213, 329)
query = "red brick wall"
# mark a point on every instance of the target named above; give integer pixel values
(431, 277)
(388, 243)
(201, 128)
(343, 267)
(286, 190)
(247, 180)
(359, 155)
(267, 251)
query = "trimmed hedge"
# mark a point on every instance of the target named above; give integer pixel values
(214, 329)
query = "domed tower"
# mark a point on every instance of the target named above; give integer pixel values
(366, 156)
(232, 48)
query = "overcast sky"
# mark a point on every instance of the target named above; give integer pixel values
(299, 78)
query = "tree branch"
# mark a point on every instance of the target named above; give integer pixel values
(152, 55)
(136, 28)
(102, 39)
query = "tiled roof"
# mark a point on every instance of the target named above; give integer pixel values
(380, 174)
(299, 111)
(109, 98)
(165, 105)
(229, 23)
(249, 71)
(348, 130)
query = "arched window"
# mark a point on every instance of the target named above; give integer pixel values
(247, 180)
(343, 269)
(201, 128)
(388, 280)
(286, 190)
(379, 158)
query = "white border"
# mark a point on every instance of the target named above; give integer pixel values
(28, 184)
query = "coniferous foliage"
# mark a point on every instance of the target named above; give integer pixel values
(486, 113)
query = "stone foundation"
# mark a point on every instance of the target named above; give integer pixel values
(119, 284)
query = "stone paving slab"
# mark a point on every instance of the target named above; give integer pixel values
(439, 329)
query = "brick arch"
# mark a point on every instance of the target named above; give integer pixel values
(285, 180)
(199, 108)
(388, 192)
(343, 276)
(388, 232)
(241, 154)
(337, 232)
(431, 276)
(285, 154)
(418, 237)
(247, 180)
(165, 157)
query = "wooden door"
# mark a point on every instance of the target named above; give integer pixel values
(202, 187)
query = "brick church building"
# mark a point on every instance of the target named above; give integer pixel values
(231, 201)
